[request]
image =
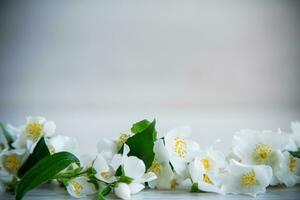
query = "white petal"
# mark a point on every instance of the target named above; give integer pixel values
(100, 164)
(116, 161)
(107, 148)
(61, 143)
(164, 178)
(150, 176)
(126, 149)
(196, 172)
(161, 153)
(209, 187)
(49, 128)
(136, 187)
(134, 167)
(85, 160)
(122, 191)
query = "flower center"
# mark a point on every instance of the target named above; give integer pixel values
(122, 139)
(174, 184)
(206, 179)
(12, 163)
(34, 130)
(292, 165)
(261, 153)
(77, 187)
(206, 164)
(105, 175)
(155, 168)
(249, 178)
(180, 147)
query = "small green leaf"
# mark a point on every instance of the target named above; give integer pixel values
(295, 153)
(105, 191)
(45, 170)
(7, 135)
(141, 144)
(139, 126)
(142, 125)
(40, 151)
(195, 188)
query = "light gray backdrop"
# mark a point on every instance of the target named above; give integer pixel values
(95, 67)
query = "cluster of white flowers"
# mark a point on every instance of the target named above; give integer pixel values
(257, 160)
(25, 138)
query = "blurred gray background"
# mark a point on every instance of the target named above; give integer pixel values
(95, 67)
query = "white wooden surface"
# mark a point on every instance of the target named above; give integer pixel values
(52, 192)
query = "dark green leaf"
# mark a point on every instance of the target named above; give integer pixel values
(40, 151)
(7, 135)
(141, 144)
(105, 191)
(45, 170)
(295, 153)
(195, 188)
(120, 171)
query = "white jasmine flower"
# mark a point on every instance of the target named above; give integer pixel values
(257, 147)
(108, 147)
(30, 134)
(80, 187)
(61, 143)
(104, 171)
(133, 168)
(287, 169)
(11, 161)
(205, 172)
(246, 179)
(180, 149)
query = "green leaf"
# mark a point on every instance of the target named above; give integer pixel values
(195, 188)
(45, 170)
(105, 191)
(40, 151)
(141, 144)
(295, 153)
(139, 126)
(7, 135)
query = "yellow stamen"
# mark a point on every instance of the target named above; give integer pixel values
(12, 163)
(262, 153)
(206, 179)
(180, 147)
(34, 130)
(77, 187)
(249, 178)
(174, 184)
(122, 139)
(105, 175)
(292, 165)
(155, 167)
(206, 164)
